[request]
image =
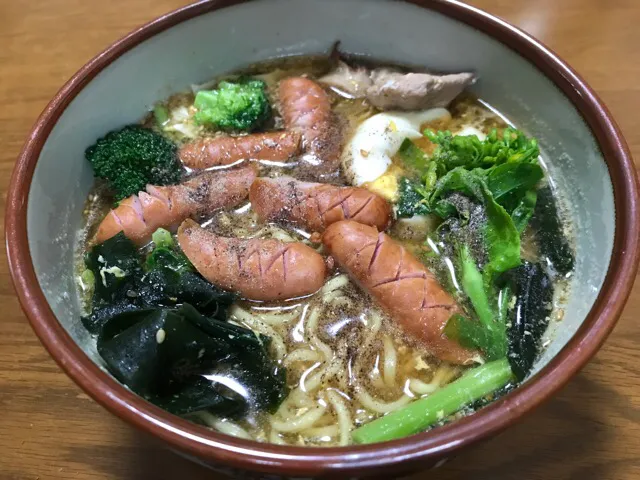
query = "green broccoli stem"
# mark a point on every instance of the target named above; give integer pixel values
(417, 416)
(161, 114)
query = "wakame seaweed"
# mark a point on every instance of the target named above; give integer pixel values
(167, 279)
(185, 362)
(115, 264)
(162, 331)
(550, 235)
(529, 317)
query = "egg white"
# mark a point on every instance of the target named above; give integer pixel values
(377, 139)
(367, 158)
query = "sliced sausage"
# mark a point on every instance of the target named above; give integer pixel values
(258, 269)
(140, 215)
(315, 206)
(306, 108)
(214, 152)
(400, 283)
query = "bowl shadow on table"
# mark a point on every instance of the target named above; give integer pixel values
(559, 433)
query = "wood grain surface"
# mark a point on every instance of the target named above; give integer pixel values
(49, 429)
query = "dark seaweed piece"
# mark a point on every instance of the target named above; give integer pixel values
(529, 317)
(100, 316)
(170, 280)
(158, 351)
(202, 394)
(549, 233)
(154, 338)
(167, 288)
(169, 259)
(492, 397)
(162, 288)
(115, 265)
(208, 299)
(254, 363)
(184, 361)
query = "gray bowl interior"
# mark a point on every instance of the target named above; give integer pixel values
(199, 49)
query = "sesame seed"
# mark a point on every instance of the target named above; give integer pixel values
(161, 335)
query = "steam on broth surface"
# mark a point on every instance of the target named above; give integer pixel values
(336, 358)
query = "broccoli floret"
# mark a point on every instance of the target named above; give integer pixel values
(240, 106)
(132, 157)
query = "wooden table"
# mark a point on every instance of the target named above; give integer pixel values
(49, 429)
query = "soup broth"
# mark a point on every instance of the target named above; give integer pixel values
(347, 361)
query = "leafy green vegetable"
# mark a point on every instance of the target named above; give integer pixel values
(523, 212)
(488, 333)
(166, 256)
(470, 334)
(501, 237)
(185, 362)
(479, 235)
(240, 106)
(420, 414)
(168, 259)
(132, 157)
(87, 282)
(506, 164)
(513, 180)
(529, 318)
(412, 155)
(470, 152)
(461, 181)
(550, 235)
(473, 285)
(485, 190)
(486, 193)
(411, 200)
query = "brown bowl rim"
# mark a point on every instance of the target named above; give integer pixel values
(382, 457)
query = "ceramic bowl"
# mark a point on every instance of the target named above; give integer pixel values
(586, 155)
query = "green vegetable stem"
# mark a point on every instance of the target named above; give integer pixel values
(161, 114)
(162, 238)
(419, 415)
